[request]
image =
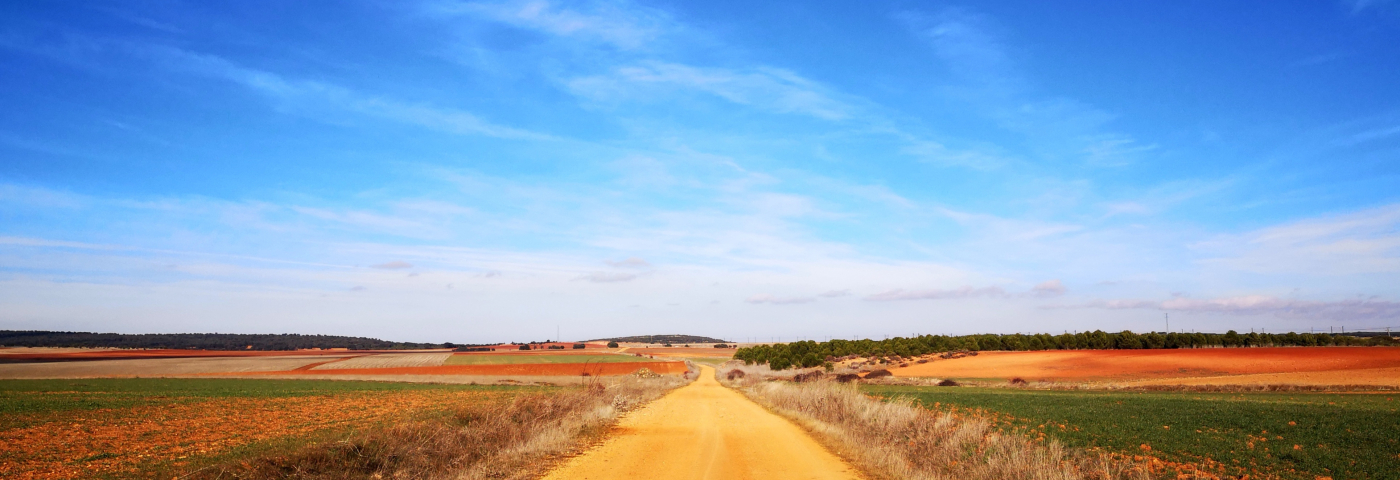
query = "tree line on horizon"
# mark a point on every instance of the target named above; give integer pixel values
(202, 341)
(808, 353)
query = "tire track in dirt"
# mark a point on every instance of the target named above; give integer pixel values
(706, 431)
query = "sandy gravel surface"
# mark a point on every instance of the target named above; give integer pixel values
(154, 367)
(706, 431)
(1207, 366)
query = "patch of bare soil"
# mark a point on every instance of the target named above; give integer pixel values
(1210, 366)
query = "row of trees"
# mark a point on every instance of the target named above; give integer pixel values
(200, 341)
(811, 354)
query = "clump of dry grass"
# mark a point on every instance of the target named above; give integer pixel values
(898, 439)
(498, 440)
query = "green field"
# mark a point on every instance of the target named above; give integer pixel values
(1337, 435)
(489, 359)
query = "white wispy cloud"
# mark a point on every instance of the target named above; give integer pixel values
(937, 153)
(312, 96)
(1348, 309)
(778, 300)
(629, 262)
(975, 50)
(607, 277)
(1362, 242)
(767, 88)
(1049, 288)
(394, 265)
(618, 23)
(937, 294)
(1359, 5)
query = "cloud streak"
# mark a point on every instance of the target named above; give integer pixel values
(607, 277)
(1349, 309)
(771, 89)
(619, 24)
(764, 298)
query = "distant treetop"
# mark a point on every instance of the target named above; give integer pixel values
(661, 339)
(202, 341)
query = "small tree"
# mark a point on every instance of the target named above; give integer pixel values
(525, 346)
(612, 344)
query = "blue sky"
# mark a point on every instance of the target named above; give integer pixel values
(487, 171)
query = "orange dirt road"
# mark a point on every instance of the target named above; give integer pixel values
(706, 431)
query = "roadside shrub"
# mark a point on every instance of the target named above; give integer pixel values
(808, 377)
(735, 374)
(500, 440)
(878, 373)
(1018, 381)
(847, 377)
(948, 382)
(898, 439)
(612, 344)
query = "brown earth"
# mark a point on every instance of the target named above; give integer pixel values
(682, 352)
(1209, 366)
(157, 366)
(328, 364)
(124, 441)
(705, 431)
(60, 355)
(388, 360)
(574, 369)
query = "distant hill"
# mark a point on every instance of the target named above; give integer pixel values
(662, 339)
(201, 341)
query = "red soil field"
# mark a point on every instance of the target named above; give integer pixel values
(1280, 365)
(540, 352)
(575, 369)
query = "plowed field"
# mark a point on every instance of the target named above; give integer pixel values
(682, 352)
(562, 369)
(388, 360)
(141, 428)
(523, 358)
(156, 366)
(1285, 365)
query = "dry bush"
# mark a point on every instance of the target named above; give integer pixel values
(500, 440)
(898, 439)
(878, 373)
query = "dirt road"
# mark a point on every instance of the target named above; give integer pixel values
(706, 431)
